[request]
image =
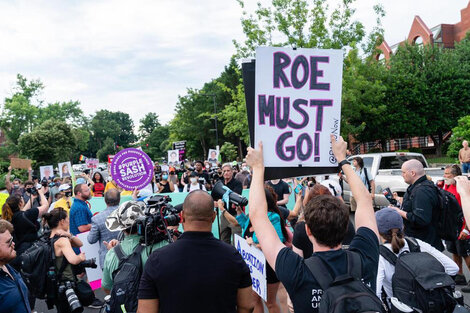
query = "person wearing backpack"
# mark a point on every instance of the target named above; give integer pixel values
(390, 226)
(124, 263)
(420, 207)
(332, 279)
(13, 291)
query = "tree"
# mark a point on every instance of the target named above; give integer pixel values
(63, 111)
(49, 143)
(229, 151)
(459, 133)
(298, 24)
(108, 148)
(428, 90)
(147, 124)
(157, 142)
(115, 125)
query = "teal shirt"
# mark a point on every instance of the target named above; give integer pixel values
(274, 218)
(111, 261)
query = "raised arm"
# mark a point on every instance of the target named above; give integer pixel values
(7, 180)
(364, 216)
(44, 207)
(267, 236)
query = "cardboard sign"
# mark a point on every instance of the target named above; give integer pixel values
(46, 172)
(213, 156)
(20, 163)
(256, 261)
(92, 163)
(297, 105)
(132, 168)
(65, 168)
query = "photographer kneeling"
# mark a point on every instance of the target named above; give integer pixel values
(65, 257)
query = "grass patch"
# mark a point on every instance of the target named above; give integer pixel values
(443, 160)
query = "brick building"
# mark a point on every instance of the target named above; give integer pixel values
(444, 35)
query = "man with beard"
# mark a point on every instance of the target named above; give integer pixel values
(13, 291)
(80, 214)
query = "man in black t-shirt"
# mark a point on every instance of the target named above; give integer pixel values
(197, 273)
(227, 229)
(326, 226)
(202, 173)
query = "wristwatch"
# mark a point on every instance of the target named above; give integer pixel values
(342, 163)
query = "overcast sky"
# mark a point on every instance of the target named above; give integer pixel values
(138, 56)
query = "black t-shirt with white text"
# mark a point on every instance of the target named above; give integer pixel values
(303, 289)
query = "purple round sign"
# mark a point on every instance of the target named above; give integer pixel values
(132, 168)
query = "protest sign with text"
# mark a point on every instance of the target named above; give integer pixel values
(92, 163)
(297, 105)
(20, 163)
(132, 168)
(256, 261)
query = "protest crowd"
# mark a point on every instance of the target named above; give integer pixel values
(317, 258)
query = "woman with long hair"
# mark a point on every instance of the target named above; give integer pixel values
(390, 226)
(24, 220)
(98, 184)
(58, 222)
(274, 216)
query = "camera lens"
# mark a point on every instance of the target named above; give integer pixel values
(72, 299)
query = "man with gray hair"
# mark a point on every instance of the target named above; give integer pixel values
(99, 232)
(227, 229)
(464, 157)
(420, 205)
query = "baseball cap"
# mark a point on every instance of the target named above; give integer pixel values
(64, 187)
(125, 215)
(387, 219)
(81, 180)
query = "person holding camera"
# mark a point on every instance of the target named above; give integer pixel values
(65, 258)
(124, 219)
(227, 229)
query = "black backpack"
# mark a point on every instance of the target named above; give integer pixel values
(420, 280)
(449, 219)
(126, 279)
(346, 293)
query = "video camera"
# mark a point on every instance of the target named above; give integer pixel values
(159, 214)
(218, 191)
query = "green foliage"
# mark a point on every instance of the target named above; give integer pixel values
(147, 124)
(116, 125)
(108, 148)
(157, 142)
(459, 133)
(49, 143)
(228, 151)
(65, 111)
(305, 24)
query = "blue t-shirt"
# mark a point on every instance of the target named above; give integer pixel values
(299, 282)
(80, 214)
(13, 293)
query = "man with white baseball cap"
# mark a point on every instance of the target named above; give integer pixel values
(124, 219)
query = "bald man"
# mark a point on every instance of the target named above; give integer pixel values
(197, 273)
(464, 157)
(420, 205)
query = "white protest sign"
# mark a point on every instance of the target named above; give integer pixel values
(256, 261)
(91, 251)
(297, 105)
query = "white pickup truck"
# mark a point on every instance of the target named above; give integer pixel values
(385, 169)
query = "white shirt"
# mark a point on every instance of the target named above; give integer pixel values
(386, 270)
(191, 187)
(333, 187)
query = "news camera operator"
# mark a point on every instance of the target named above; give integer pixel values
(71, 294)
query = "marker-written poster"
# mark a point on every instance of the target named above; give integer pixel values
(297, 105)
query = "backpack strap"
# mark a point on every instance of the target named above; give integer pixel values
(334, 190)
(354, 264)
(413, 244)
(369, 187)
(388, 255)
(319, 271)
(119, 253)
